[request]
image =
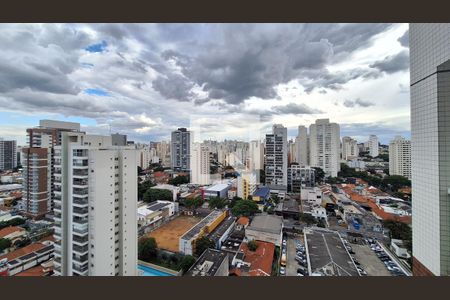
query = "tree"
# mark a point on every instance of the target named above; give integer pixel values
(307, 218)
(244, 208)
(202, 244)
(186, 262)
(398, 230)
(152, 195)
(12, 222)
(193, 203)
(217, 202)
(319, 174)
(4, 244)
(147, 249)
(139, 170)
(252, 245)
(143, 187)
(180, 179)
(395, 182)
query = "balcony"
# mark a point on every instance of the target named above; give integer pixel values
(80, 173)
(80, 228)
(80, 164)
(80, 182)
(80, 202)
(80, 270)
(80, 241)
(83, 259)
(81, 212)
(81, 250)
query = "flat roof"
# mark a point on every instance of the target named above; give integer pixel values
(217, 187)
(262, 191)
(290, 205)
(326, 250)
(9, 187)
(200, 225)
(208, 263)
(268, 223)
(217, 233)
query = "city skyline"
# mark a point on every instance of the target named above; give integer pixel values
(116, 77)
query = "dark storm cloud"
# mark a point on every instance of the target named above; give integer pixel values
(404, 39)
(243, 61)
(358, 102)
(393, 63)
(174, 86)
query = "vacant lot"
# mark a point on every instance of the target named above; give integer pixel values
(167, 236)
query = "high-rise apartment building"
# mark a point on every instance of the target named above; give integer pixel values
(200, 164)
(95, 207)
(373, 146)
(400, 157)
(38, 169)
(292, 152)
(430, 147)
(276, 157)
(299, 177)
(350, 148)
(8, 154)
(325, 146)
(180, 149)
(302, 146)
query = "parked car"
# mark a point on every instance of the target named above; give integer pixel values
(301, 271)
(282, 270)
(284, 242)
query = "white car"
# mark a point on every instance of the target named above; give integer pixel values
(284, 242)
(282, 271)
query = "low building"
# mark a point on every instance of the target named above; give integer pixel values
(28, 257)
(262, 194)
(217, 190)
(312, 195)
(288, 208)
(153, 214)
(212, 262)
(202, 228)
(253, 263)
(327, 254)
(398, 247)
(267, 228)
(242, 223)
(222, 231)
(232, 192)
(13, 233)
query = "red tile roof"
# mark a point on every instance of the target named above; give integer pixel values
(261, 259)
(243, 221)
(22, 251)
(8, 230)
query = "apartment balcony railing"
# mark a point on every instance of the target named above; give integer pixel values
(80, 182)
(80, 202)
(80, 240)
(80, 228)
(82, 172)
(80, 269)
(80, 191)
(80, 211)
(80, 249)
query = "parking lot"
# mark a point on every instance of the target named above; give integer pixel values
(369, 261)
(291, 265)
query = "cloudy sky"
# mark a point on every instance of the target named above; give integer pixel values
(232, 81)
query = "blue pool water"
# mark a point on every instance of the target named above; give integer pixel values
(148, 271)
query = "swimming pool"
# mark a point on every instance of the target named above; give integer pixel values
(148, 271)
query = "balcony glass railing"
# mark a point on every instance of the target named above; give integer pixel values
(80, 249)
(80, 211)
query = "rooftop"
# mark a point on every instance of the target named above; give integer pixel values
(200, 225)
(267, 223)
(243, 221)
(262, 191)
(217, 187)
(8, 230)
(260, 260)
(328, 254)
(220, 230)
(208, 263)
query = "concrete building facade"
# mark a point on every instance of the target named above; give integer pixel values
(430, 147)
(95, 207)
(324, 144)
(276, 157)
(400, 157)
(180, 149)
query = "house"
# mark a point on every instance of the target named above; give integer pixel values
(253, 263)
(13, 233)
(212, 262)
(262, 194)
